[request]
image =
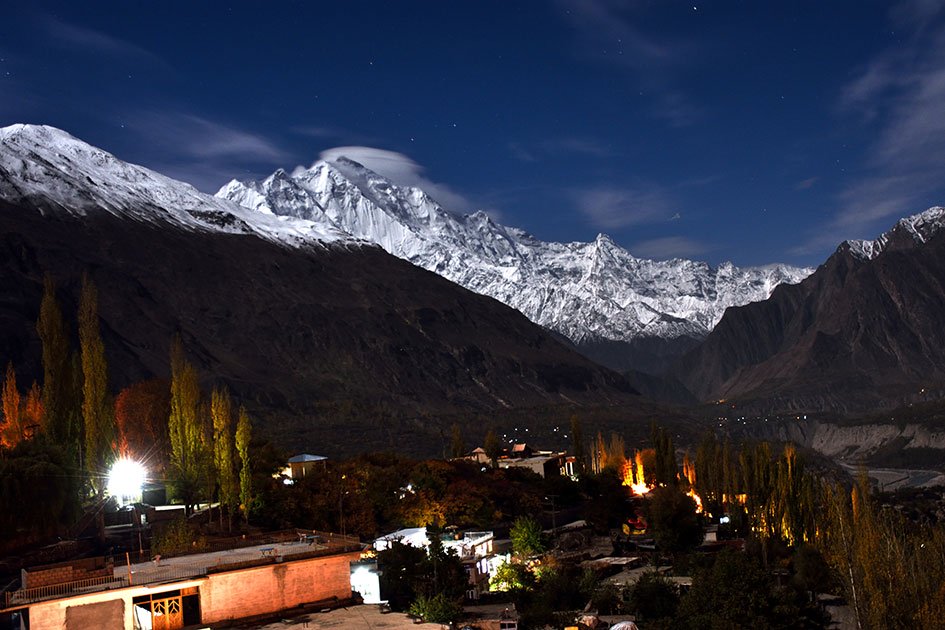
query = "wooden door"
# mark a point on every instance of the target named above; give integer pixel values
(167, 614)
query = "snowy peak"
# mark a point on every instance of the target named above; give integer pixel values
(589, 292)
(908, 232)
(51, 170)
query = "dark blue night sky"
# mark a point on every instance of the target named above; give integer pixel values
(748, 131)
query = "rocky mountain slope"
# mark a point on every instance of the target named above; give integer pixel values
(863, 332)
(623, 311)
(294, 315)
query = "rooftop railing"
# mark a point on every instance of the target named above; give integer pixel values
(287, 546)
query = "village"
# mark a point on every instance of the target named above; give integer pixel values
(314, 578)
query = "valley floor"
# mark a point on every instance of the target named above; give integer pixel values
(890, 479)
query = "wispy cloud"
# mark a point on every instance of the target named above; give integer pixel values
(565, 146)
(608, 31)
(331, 132)
(89, 40)
(806, 184)
(578, 146)
(613, 208)
(520, 153)
(900, 93)
(669, 247)
(203, 152)
(401, 170)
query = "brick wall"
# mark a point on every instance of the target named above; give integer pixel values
(66, 572)
(275, 587)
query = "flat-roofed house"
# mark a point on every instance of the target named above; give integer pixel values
(170, 593)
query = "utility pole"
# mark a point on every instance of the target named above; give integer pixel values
(341, 508)
(554, 524)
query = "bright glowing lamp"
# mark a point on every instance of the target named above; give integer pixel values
(125, 479)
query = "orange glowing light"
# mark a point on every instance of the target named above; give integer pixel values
(697, 499)
(633, 475)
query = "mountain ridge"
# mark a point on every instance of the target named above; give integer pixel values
(301, 323)
(862, 332)
(616, 308)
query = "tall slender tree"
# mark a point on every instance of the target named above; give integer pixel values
(185, 429)
(33, 416)
(666, 473)
(56, 369)
(577, 444)
(493, 447)
(223, 453)
(244, 431)
(457, 445)
(11, 432)
(97, 416)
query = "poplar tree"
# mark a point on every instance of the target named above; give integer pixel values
(223, 454)
(56, 368)
(577, 444)
(243, 435)
(184, 427)
(98, 421)
(616, 452)
(457, 445)
(11, 433)
(665, 456)
(599, 456)
(492, 447)
(33, 409)
(72, 407)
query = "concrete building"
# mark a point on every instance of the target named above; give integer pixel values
(474, 549)
(543, 464)
(170, 593)
(304, 464)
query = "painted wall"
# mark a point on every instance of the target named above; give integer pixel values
(275, 587)
(74, 613)
(231, 595)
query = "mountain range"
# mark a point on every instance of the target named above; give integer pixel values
(327, 336)
(287, 291)
(620, 310)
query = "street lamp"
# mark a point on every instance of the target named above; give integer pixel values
(125, 480)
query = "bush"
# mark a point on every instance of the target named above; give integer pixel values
(436, 609)
(177, 538)
(654, 597)
(673, 521)
(527, 537)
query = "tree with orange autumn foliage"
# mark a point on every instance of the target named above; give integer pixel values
(11, 432)
(141, 412)
(32, 414)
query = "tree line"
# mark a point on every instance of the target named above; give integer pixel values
(198, 443)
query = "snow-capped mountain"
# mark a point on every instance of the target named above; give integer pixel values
(590, 292)
(48, 168)
(911, 230)
(297, 318)
(593, 293)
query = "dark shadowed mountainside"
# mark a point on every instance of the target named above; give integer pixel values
(296, 332)
(863, 332)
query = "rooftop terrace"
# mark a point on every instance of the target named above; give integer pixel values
(237, 553)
